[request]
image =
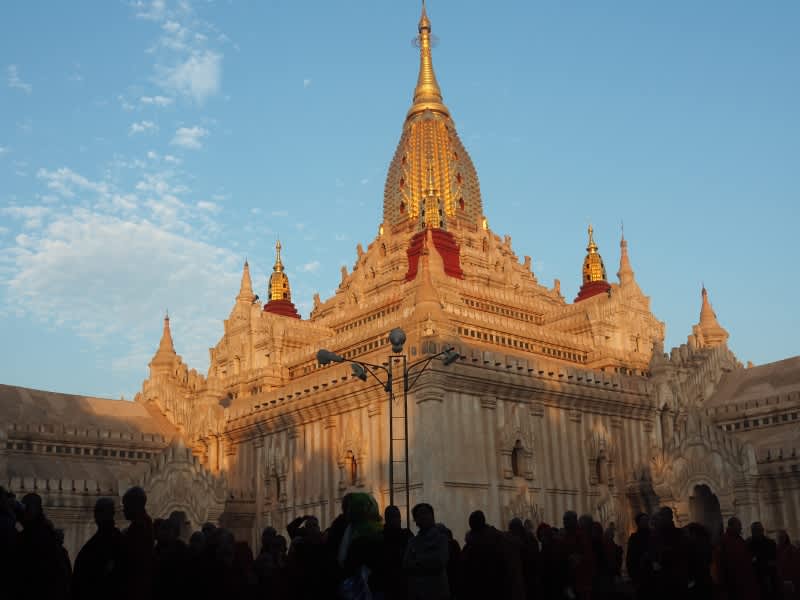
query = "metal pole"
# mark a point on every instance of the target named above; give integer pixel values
(405, 422)
(390, 392)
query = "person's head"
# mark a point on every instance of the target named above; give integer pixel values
(477, 520)
(423, 516)
(757, 530)
(642, 521)
(392, 518)
(197, 543)
(104, 513)
(516, 527)
(225, 546)
(735, 526)
(311, 526)
(133, 503)
(586, 522)
(664, 518)
(570, 520)
(208, 529)
(346, 503)
(32, 509)
(268, 537)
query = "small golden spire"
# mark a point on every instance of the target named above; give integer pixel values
(427, 95)
(278, 281)
(593, 267)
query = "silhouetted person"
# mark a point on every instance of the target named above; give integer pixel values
(8, 527)
(395, 541)
(425, 560)
(97, 568)
(137, 547)
(270, 568)
(549, 573)
(335, 533)
(788, 567)
(637, 560)
(484, 561)
(736, 564)
(575, 559)
(603, 557)
(39, 569)
(765, 561)
(308, 554)
(529, 556)
(669, 558)
(171, 556)
(700, 556)
(453, 561)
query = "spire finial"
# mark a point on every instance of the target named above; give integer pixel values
(246, 286)
(625, 273)
(592, 247)
(427, 95)
(278, 267)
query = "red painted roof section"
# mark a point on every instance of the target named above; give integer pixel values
(285, 308)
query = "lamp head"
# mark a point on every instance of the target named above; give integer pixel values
(450, 356)
(359, 371)
(325, 357)
(397, 337)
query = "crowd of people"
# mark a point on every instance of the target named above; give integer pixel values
(362, 556)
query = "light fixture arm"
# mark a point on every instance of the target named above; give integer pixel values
(422, 364)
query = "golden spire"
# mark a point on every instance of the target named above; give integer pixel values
(427, 95)
(278, 281)
(593, 268)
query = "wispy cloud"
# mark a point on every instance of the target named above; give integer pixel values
(14, 81)
(189, 137)
(310, 267)
(143, 127)
(187, 63)
(198, 76)
(279, 213)
(306, 83)
(4, 150)
(209, 206)
(160, 101)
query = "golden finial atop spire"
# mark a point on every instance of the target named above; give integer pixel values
(592, 247)
(278, 267)
(427, 95)
(278, 281)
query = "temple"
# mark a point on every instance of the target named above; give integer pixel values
(553, 405)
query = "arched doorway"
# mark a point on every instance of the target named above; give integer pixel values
(704, 509)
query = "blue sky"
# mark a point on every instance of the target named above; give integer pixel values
(147, 147)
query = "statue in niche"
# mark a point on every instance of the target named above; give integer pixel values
(344, 276)
(317, 301)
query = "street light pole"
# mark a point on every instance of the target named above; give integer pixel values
(397, 338)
